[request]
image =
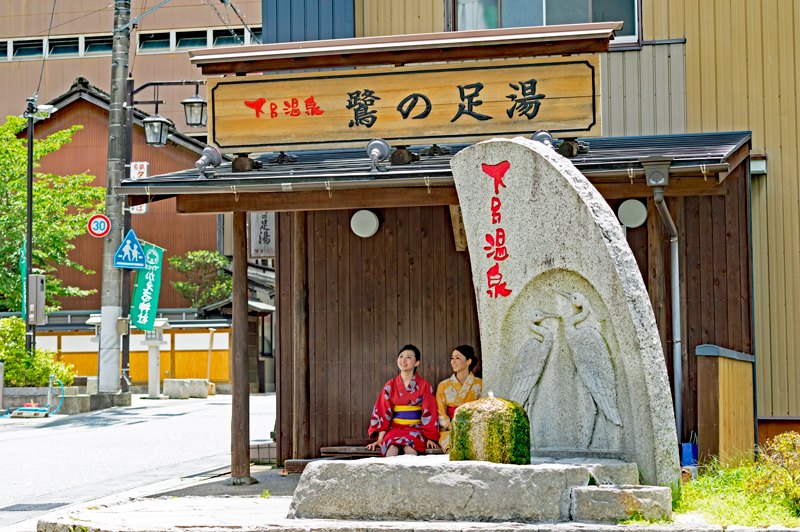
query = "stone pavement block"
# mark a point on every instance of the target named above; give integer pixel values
(176, 388)
(607, 471)
(432, 487)
(198, 388)
(610, 504)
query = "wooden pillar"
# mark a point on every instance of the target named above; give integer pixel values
(656, 283)
(301, 444)
(240, 419)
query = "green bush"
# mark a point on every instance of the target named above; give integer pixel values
(22, 369)
(778, 473)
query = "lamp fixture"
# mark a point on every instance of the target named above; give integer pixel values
(378, 150)
(156, 130)
(196, 109)
(364, 223)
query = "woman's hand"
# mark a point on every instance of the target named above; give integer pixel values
(431, 444)
(374, 446)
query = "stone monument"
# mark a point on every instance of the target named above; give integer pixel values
(566, 325)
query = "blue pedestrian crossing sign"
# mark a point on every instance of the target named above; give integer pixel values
(130, 253)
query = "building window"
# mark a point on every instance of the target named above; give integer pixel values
(3, 51)
(257, 34)
(187, 40)
(98, 45)
(28, 49)
(154, 42)
(488, 14)
(63, 47)
(224, 38)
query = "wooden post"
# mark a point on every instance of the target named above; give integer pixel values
(300, 428)
(240, 419)
(657, 284)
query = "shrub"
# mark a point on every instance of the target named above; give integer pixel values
(22, 369)
(778, 473)
(206, 279)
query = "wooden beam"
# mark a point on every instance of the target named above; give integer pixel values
(682, 186)
(240, 419)
(578, 46)
(301, 438)
(739, 156)
(317, 200)
(657, 283)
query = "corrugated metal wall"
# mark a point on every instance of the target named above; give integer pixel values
(398, 17)
(644, 92)
(741, 74)
(306, 20)
(178, 233)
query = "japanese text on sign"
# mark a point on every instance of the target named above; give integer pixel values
(422, 104)
(496, 241)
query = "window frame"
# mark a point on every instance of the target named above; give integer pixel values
(61, 41)
(170, 42)
(25, 43)
(626, 40)
(85, 47)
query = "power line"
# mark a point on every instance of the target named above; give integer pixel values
(44, 52)
(227, 24)
(67, 22)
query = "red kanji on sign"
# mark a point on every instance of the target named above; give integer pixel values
(257, 106)
(273, 110)
(497, 171)
(496, 247)
(496, 216)
(495, 281)
(312, 108)
(291, 109)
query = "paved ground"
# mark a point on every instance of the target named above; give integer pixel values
(148, 447)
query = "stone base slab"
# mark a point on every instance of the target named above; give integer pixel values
(611, 504)
(256, 514)
(100, 401)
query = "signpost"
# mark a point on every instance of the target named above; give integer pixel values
(262, 235)
(130, 254)
(98, 225)
(428, 104)
(139, 170)
(148, 284)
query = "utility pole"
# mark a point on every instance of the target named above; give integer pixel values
(30, 330)
(108, 366)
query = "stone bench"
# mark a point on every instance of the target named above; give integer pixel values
(185, 388)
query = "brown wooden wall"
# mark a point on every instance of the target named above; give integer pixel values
(368, 298)
(715, 286)
(161, 225)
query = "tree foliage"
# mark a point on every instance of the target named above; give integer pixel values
(779, 471)
(62, 206)
(207, 281)
(22, 369)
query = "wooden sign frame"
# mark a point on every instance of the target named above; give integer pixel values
(416, 105)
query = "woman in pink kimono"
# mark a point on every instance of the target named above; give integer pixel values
(404, 416)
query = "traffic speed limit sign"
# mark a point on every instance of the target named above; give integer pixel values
(99, 225)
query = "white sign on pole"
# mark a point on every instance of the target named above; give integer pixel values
(262, 235)
(139, 170)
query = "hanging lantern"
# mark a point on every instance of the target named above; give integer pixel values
(156, 130)
(196, 109)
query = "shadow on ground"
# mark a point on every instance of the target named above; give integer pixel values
(268, 479)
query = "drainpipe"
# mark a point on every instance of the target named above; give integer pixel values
(657, 176)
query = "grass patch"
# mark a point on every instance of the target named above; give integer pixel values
(725, 496)
(639, 519)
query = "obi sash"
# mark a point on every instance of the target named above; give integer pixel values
(451, 411)
(407, 415)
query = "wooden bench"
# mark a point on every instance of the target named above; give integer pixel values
(351, 450)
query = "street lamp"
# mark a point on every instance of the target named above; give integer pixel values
(156, 130)
(196, 109)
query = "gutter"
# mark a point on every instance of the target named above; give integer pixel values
(219, 186)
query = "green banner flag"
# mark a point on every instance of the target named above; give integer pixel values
(23, 269)
(148, 285)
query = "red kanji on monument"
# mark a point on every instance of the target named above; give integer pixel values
(257, 106)
(496, 171)
(496, 216)
(312, 108)
(496, 247)
(495, 281)
(292, 108)
(273, 110)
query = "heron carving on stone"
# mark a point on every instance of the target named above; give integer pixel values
(592, 359)
(531, 361)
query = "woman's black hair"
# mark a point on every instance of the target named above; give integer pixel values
(469, 354)
(413, 348)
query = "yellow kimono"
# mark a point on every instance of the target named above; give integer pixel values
(451, 394)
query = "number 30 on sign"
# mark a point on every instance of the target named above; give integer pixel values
(99, 225)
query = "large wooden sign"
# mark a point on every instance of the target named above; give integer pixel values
(463, 102)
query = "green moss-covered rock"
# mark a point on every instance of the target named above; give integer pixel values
(491, 429)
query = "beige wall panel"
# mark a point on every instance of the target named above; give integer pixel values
(643, 91)
(738, 54)
(397, 17)
(736, 438)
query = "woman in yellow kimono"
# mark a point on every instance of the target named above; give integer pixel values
(462, 387)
